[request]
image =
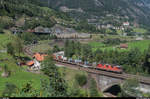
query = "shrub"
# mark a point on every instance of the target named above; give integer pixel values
(93, 89)
(9, 90)
(81, 79)
(1, 30)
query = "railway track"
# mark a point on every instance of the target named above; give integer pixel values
(28, 51)
(123, 76)
(100, 72)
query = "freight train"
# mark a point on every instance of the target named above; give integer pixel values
(104, 67)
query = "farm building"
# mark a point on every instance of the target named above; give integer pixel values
(123, 46)
(126, 23)
(58, 29)
(61, 54)
(42, 30)
(30, 30)
(15, 30)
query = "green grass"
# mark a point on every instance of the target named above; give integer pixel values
(141, 30)
(70, 74)
(4, 40)
(108, 30)
(99, 45)
(96, 44)
(42, 47)
(70, 78)
(119, 31)
(142, 45)
(18, 76)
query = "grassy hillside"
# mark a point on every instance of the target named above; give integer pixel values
(4, 39)
(18, 75)
(142, 45)
(71, 80)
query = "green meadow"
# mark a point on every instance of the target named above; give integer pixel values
(4, 39)
(18, 76)
(142, 45)
(140, 30)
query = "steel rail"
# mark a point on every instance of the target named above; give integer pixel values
(124, 76)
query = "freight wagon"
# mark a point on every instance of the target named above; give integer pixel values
(104, 67)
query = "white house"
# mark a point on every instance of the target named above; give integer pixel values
(35, 64)
(126, 23)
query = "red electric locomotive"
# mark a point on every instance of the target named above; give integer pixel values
(107, 67)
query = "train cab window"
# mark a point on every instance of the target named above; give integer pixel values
(119, 67)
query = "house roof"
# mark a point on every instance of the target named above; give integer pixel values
(39, 57)
(30, 30)
(126, 23)
(30, 63)
(43, 30)
(124, 45)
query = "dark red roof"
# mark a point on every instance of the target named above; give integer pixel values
(123, 45)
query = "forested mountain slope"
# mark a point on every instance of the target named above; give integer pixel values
(132, 10)
(27, 14)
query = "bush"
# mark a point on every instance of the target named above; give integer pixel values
(101, 36)
(29, 37)
(56, 49)
(10, 49)
(9, 90)
(81, 79)
(113, 41)
(1, 31)
(6, 22)
(93, 89)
